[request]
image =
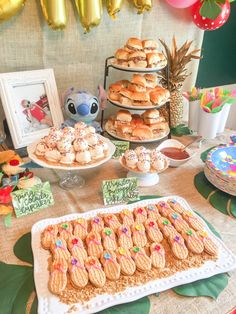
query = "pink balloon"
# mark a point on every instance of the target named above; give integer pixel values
(181, 4)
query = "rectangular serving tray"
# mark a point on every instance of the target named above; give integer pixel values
(49, 303)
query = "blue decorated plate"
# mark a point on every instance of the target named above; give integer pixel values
(222, 159)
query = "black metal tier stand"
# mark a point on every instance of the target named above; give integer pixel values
(106, 74)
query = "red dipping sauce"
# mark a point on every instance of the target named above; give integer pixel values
(175, 153)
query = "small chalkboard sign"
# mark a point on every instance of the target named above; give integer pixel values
(121, 147)
(28, 201)
(120, 190)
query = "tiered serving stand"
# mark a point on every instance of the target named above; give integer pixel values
(110, 63)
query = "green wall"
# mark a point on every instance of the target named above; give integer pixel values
(218, 67)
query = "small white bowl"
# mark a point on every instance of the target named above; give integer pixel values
(175, 143)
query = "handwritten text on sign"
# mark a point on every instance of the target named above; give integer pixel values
(30, 200)
(120, 191)
(121, 147)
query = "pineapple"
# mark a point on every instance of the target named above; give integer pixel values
(177, 58)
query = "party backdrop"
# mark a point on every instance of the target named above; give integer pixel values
(27, 43)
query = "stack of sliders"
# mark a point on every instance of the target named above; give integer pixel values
(141, 91)
(129, 126)
(140, 54)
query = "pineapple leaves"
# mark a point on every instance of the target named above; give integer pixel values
(178, 58)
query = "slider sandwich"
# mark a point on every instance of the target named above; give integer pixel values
(141, 99)
(126, 97)
(114, 91)
(143, 132)
(154, 121)
(159, 96)
(137, 59)
(151, 80)
(137, 84)
(149, 46)
(133, 44)
(123, 117)
(155, 60)
(121, 56)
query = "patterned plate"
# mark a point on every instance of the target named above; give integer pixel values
(222, 160)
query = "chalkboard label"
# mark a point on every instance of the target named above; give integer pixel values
(28, 201)
(121, 147)
(120, 190)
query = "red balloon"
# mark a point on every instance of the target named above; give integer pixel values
(206, 23)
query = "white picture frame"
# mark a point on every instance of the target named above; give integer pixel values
(31, 104)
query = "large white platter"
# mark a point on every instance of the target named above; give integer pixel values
(116, 103)
(135, 69)
(32, 156)
(49, 303)
(155, 139)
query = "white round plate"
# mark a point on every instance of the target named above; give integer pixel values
(116, 103)
(155, 139)
(130, 69)
(32, 156)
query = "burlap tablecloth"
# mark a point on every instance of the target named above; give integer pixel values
(174, 181)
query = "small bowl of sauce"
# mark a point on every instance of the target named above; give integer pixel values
(175, 153)
(173, 150)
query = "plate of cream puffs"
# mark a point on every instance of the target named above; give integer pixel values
(141, 92)
(139, 55)
(142, 160)
(144, 128)
(73, 148)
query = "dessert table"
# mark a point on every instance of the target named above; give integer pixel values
(174, 181)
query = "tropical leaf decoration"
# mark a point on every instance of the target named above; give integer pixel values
(220, 200)
(181, 130)
(210, 287)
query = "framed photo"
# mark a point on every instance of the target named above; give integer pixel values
(31, 104)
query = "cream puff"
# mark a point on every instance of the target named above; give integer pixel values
(104, 145)
(131, 161)
(41, 148)
(83, 156)
(69, 133)
(53, 155)
(90, 130)
(144, 165)
(158, 163)
(92, 139)
(140, 150)
(68, 158)
(80, 133)
(64, 145)
(80, 125)
(56, 133)
(144, 156)
(96, 151)
(51, 141)
(80, 144)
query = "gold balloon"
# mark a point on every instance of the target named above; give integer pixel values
(55, 13)
(143, 5)
(9, 8)
(113, 7)
(90, 13)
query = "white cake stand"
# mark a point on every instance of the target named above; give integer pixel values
(144, 178)
(71, 179)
